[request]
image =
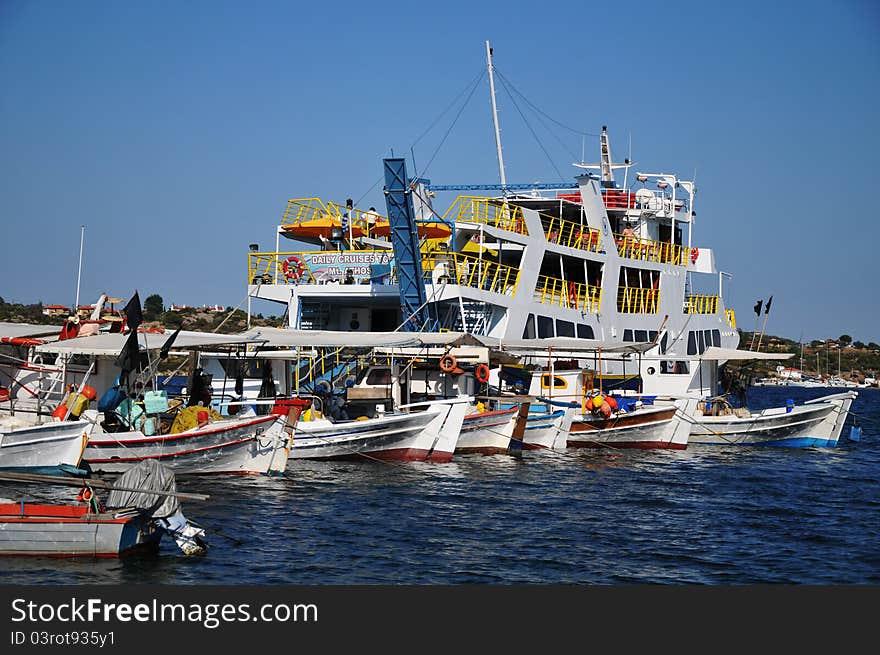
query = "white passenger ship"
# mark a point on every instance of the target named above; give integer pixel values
(600, 260)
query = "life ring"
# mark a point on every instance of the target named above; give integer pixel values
(695, 252)
(448, 363)
(482, 373)
(85, 495)
(293, 267)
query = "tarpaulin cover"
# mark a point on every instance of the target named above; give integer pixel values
(147, 476)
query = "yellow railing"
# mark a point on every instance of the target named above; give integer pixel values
(634, 300)
(301, 210)
(660, 252)
(731, 318)
(576, 295)
(469, 271)
(478, 209)
(571, 234)
(701, 304)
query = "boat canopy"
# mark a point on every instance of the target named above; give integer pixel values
(111, 344)
(19, 330)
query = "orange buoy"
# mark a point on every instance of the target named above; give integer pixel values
(447, 363)
(482, 373)
(60, 412)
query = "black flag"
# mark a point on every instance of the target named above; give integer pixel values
(133, 315)
(757, 307)
(129, 356)
(166, 348)
(767, 306)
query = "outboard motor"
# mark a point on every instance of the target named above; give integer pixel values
(144, 478)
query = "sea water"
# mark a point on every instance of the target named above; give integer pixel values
(706, 515)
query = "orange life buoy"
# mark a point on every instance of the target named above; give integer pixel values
(293, 267)
(482, 373)
(695, 252)
(447, 363)
(85, 495)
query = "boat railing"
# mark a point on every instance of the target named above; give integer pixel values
(565, 293)
(701, 304)
(570, 234)
(637, 300)
(302, 210)
(470, 271)
(488, 211)
(659, 252)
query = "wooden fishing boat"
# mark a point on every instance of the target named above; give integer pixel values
(815, 423)
(143, 504)
(493, 432)
(242, 446)
(50, 448)
(429, 435)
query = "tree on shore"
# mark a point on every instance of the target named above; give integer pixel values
(844, 340)
(153, 307)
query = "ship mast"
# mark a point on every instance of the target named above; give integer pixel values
(495, 119)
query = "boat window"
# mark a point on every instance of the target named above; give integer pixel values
(627, 335)
(545, 327)
(692, 343)
(641, 336)
(652, 336)
(701, 342)
(707, 335)
(564, 329)
(674, 368)
(379, 376)
(664, 342)
(558, 382)
(529, 330)
(716, 338)
(585, 332)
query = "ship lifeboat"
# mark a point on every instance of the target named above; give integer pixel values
(429, 230)
(320, 227)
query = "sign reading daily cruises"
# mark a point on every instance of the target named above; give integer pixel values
(330, 266)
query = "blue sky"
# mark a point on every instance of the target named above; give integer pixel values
(176, 132)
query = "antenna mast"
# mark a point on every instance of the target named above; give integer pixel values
(82, 236)
(495, 119)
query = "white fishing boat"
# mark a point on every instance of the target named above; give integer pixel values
(429, 435)
(815, 423)
(131, 426)
(53, 448)
(494, 432)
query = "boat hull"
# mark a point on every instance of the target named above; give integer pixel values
(817, 423)
(426, 436)
(29, 529)
(488, 433)
(251, 446)
(46, 449)
(547, 430)
(647, 428)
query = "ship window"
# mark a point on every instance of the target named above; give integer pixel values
(379, 376)
(249, 369)
(707, 334)
(716, 338)
(692, 343)
(664, 342)
(674, 368)
(652, 336)
(701, 342)
(564, 329)
(545, 327)
(585, 332)
(529, 330)
(641, 336)
(558, 382)
(627, 335)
